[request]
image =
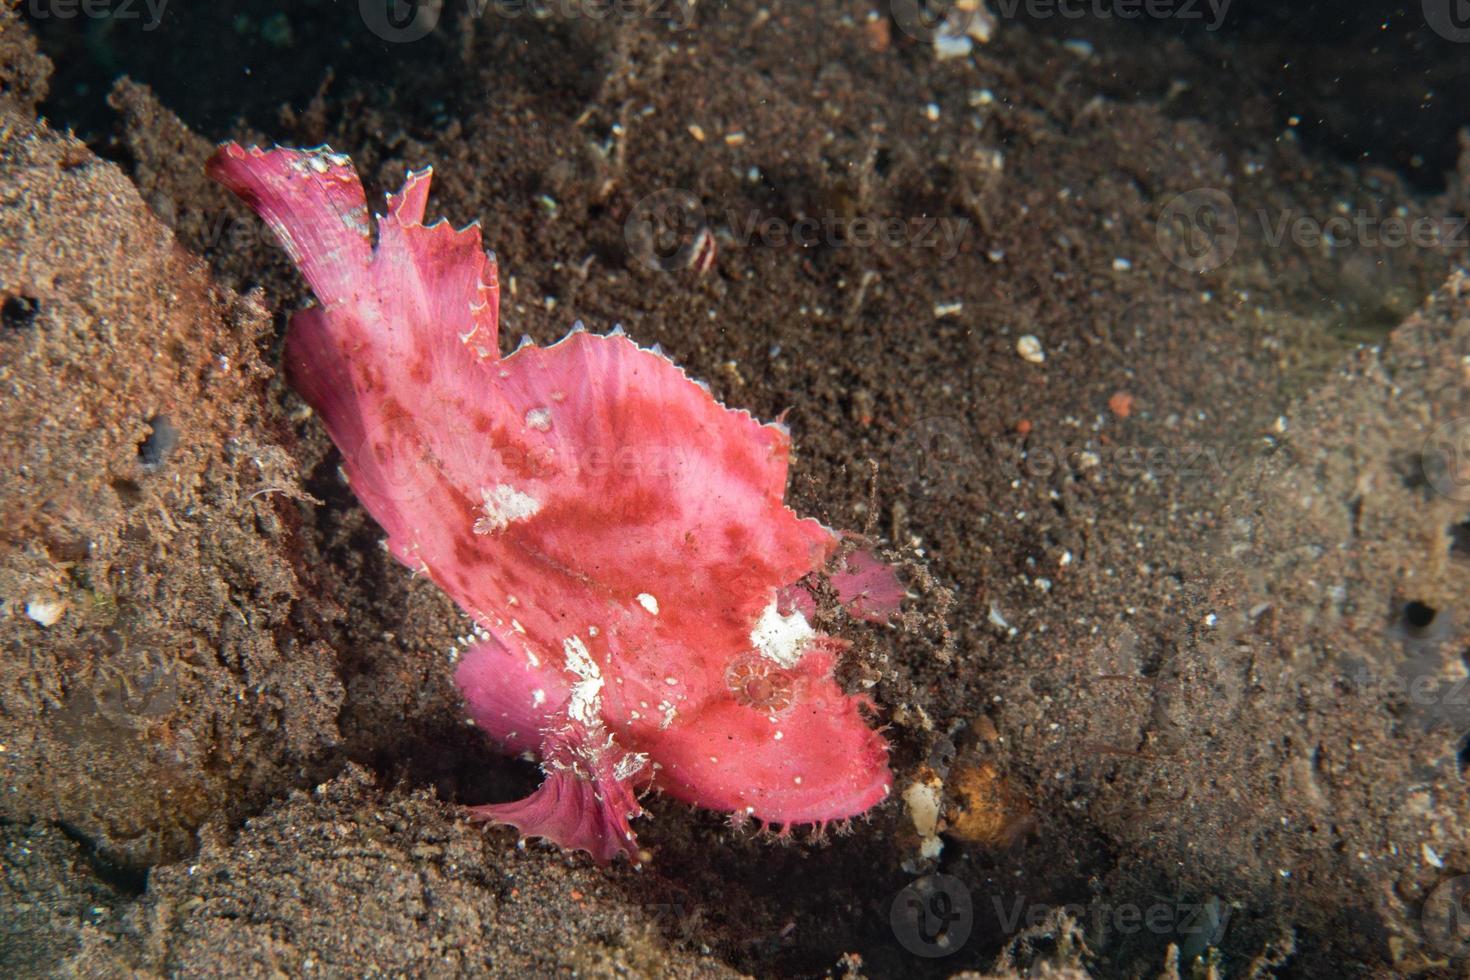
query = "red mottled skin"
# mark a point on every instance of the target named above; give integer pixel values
(615, 533)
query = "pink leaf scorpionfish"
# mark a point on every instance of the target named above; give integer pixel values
(618, 537)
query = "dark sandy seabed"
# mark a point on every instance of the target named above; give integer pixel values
(1186, 660)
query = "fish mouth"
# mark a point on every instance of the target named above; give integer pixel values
(823, 804)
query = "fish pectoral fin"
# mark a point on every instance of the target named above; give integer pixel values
(587, 801)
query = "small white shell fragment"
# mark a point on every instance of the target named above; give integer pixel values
(947, 46)
(44, 611)
(648, 602)
(923, 798)
(1030, 349)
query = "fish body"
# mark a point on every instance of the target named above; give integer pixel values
(618, 536)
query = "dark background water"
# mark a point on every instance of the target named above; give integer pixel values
(1368, 81)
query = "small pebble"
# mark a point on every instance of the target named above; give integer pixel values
(947, 46)
(1030, 349)
(45, 612)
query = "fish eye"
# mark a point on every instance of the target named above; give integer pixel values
(756, 683)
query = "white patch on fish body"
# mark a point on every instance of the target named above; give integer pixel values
(585, 704)
(648, 602)
(504, 504)
(629, 765)
(779, 638)
(357, 220)
(539, 419)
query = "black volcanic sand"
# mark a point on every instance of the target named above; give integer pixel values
(1187, 647)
